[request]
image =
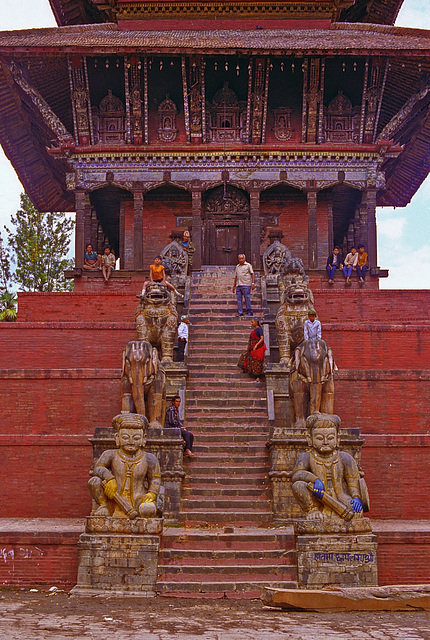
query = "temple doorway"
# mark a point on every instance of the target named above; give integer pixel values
(226, 226)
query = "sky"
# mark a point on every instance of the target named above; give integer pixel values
(403, 233)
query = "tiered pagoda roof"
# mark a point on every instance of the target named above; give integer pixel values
(97, 28)
(72, 12)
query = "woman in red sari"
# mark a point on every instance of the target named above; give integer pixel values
(252, 360)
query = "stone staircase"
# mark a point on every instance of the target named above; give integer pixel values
(226, 546)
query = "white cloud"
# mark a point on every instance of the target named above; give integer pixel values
(408, 269)
(392, 228)
(414, 13)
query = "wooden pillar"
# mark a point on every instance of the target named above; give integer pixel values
(372, 242)
(254, 196)
(80, 202)
(196, 194)
(88, 239)
(330, 235)
(122, 236)
(138, 229)
(311, 194)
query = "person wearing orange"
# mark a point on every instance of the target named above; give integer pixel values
(361, 263)
(157, 274)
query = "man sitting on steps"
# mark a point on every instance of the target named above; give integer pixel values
(173, 422)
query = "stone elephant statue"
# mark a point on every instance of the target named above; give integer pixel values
(311, 381)
(143, 382)
(157, 319)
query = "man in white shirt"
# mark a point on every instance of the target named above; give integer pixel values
(244, 281)
(312, 326)
(182, 337)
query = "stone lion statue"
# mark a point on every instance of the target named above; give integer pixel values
(296, 300)
(143, 382)
(157, 319)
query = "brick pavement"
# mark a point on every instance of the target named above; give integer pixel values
(42, 615)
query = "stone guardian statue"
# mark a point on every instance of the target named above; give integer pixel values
(125, 481)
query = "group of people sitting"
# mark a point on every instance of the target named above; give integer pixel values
(97, 262)
(354, 262)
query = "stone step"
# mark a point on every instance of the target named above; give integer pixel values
(217, 393)
(244, 517)
(202, 339)
(225, 503)
(241, 388)
(235, 344)
(220, 573)
(215, 489)
(226, 459)
(245, 557)
(215, 471)
(213, 442)
(247, 590)
(227, 413)
(241, 429)
(215, 322)
(217, 374)
(232, 421)
(229, 449)
(224, 404)
(229, 538)
(256, 480)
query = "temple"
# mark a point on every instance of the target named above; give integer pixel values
(226, 119)
(244, 123)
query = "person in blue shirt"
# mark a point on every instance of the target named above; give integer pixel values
(92, 261)
(312, 326)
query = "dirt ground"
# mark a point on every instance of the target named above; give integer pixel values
(54, 615)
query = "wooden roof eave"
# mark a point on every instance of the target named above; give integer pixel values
(405, 174)
(339, 39)
(27, 154)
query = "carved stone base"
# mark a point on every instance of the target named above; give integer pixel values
(118, 564)
(332, 525)
(333, 560)
(138, 526)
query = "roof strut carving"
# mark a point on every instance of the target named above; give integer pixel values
(51, 120)
(401, 117)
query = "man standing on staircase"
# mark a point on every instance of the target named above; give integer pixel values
(244, 282)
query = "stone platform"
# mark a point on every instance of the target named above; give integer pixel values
(118, 556)
(42, 552)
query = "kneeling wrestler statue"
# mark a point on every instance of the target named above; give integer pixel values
(326, 481)
(126, 481)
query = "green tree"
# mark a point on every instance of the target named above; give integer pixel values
(40, 243)
(7, 297)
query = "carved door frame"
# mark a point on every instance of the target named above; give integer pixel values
(226, 206)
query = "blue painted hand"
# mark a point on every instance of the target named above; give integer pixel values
(318, 488)
(356, 505)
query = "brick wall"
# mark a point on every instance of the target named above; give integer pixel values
(47, 558)
(403, 554)
(47, 476)
(60, 380)
(353, 306)
(39, 558)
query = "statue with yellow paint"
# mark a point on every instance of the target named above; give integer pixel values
(125, 481)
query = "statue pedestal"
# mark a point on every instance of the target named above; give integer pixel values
(336, 556)
(118, 556)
